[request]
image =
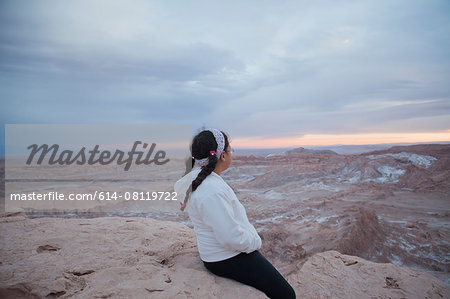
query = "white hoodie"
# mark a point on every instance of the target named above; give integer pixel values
(220, 221)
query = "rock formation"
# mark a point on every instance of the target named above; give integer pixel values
(132, 257)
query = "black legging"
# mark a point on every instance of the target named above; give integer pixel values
(255, 270)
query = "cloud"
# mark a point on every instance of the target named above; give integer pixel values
(269, 69)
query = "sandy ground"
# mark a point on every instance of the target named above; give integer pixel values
(136, 257)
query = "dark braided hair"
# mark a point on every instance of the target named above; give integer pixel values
(202, 144)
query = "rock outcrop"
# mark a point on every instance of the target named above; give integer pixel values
(131, 257)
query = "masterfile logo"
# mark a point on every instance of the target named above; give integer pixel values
(118, 169)
(91, 157)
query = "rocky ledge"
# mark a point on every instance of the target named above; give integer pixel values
(119, 257)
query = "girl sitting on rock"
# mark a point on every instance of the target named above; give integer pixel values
(228, 243)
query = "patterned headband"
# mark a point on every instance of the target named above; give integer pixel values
(220, 139)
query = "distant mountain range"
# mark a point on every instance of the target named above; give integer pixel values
(339, 149)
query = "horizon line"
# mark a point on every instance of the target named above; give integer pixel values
(337, 144)
(341, 139)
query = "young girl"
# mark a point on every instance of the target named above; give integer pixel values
(228, 243)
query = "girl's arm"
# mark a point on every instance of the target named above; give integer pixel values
(218, 213)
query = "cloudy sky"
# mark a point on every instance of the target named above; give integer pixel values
(269, 73)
